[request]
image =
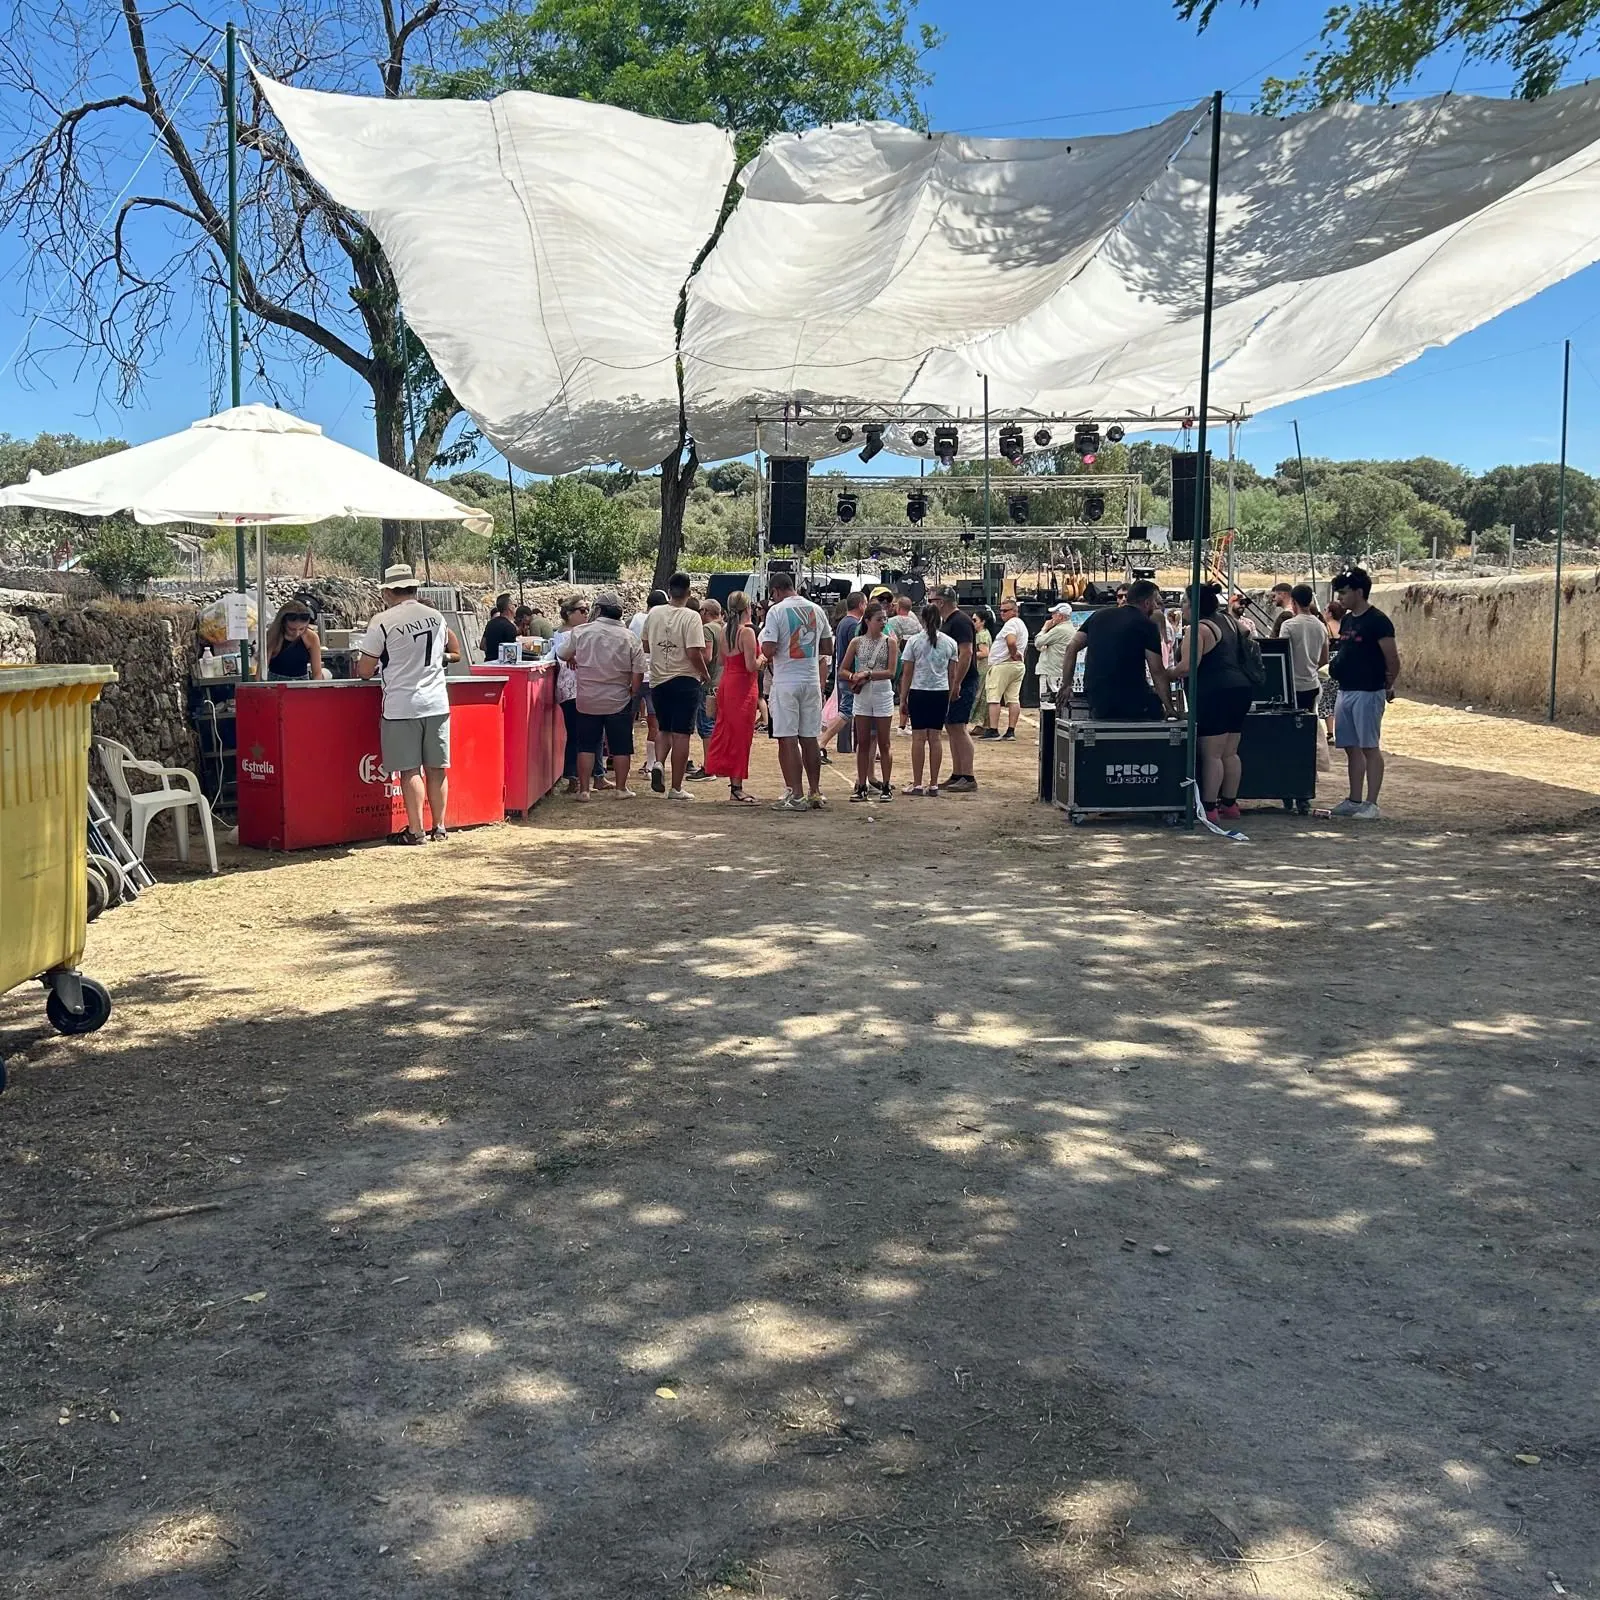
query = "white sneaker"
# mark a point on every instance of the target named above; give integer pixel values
(1346, 808)
(680, 794)
(1367, 811)
(626, 794)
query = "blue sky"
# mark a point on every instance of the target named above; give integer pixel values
(1024, 68)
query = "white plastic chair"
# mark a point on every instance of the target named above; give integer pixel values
(179, 791)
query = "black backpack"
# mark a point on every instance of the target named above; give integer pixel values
(1249, 656)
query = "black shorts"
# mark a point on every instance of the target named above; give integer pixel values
(615, 727)
(677, 700)
(1222, 711)
(928, 707)
(1307, 699)
(960, 709)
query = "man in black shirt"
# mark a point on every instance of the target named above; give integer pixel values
(501, 629)
(1123, 643)
(960, 628)
(1366, 667)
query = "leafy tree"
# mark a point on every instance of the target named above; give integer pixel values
(732, 477)
(1372, 47)
(563, 517)
(755, 67)
(1528, 497)
(1440, 483)
(1364, 511)
(125, 556)
(1440, 531)
(314, 284)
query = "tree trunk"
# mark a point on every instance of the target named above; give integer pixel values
(677, 479)
(401, 540)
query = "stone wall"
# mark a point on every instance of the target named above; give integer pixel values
(16, 641)
(1486, 641)
(151, 646)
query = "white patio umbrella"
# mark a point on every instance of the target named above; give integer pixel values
(250, 466)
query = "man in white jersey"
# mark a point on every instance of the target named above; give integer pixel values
(410, 645)
(797, 641)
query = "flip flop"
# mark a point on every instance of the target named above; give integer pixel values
(740, 798)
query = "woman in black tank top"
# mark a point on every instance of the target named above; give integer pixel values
(1222, 703)
(293, 649)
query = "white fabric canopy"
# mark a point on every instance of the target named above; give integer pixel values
(868, 264)
(252, 464)
(541, 247)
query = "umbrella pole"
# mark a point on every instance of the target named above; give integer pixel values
(235, 348)
(1202, 478)
(988, 520)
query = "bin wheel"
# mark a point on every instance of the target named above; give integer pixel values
(99, 894)
(1302, 808)
(96, 1008)
(1173, 819)
(1076, 818)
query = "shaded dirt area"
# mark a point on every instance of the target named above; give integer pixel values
(932, 1200)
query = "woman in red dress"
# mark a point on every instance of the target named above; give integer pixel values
(738, 696)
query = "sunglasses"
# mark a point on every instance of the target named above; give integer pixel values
(297, 616)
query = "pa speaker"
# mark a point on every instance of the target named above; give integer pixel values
(1188, 476)
(786, 526)
(721, 584)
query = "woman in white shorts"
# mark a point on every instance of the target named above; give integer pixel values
(869, 666)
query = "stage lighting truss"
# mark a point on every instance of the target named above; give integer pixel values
(874, 444)
(1011, 445)
(1035, 507)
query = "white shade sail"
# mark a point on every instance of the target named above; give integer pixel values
(252, 464)
(541, 247)
(867, 264)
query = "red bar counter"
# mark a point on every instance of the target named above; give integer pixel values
(311, 772)
(536, 732)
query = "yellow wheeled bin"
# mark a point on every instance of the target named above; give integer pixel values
(45, 728)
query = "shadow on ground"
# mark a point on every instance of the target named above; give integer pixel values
(1036, 1219)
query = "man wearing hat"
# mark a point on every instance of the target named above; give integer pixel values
(1051, 643)
(410, 644)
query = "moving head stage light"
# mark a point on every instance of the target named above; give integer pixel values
(1086, 441)
(874, 444)
(946, 444)
(919, 438)
(1017, 505)
(845, 508)
(1011, 446)
(844, 433)
(916, 506)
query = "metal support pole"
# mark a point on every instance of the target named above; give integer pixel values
(235, 341)
(1561, 524)
(1305, 501)
(1202, 483)
(988, 520)
(1511, 550)
(411, 429)
(516, 536)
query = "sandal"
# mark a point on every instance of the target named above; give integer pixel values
(740, 798)
(933, 791)
(406, 836)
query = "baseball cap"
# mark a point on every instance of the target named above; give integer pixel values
(1062, 610)
(609, 598)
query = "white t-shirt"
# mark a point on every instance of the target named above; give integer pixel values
(636, 624)
(930, 660)
(408, 641)
(1010, 643)
(798, 628)
(1306, 638)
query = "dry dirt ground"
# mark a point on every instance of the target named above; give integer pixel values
(924, 1201)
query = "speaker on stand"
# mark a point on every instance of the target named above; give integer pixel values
(786, 519)
(1188, 476)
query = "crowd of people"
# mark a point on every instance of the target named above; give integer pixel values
(687, 666)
